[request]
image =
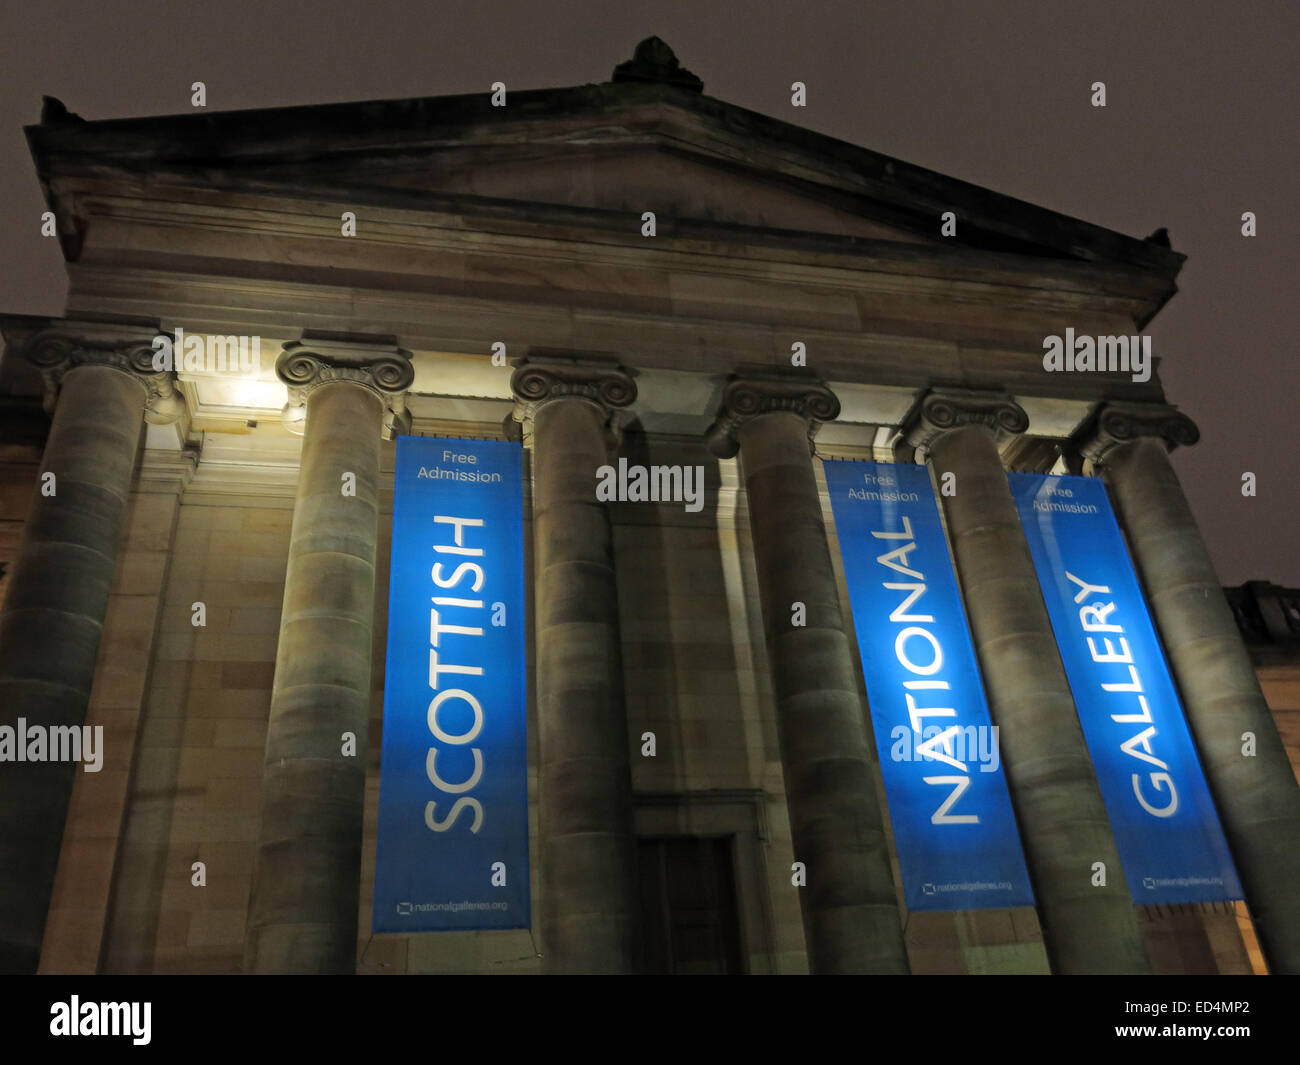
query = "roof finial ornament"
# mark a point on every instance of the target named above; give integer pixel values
(654, 61)
(53, 113)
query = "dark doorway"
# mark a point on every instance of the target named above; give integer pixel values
(688, 901)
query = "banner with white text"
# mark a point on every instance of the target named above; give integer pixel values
(1160, 810)
(954, 829)
(453, 792)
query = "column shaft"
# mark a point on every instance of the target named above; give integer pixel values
(1257, 797)
(590, 906)
(50, 630)
(306, 883)
(851, 915)
(1054, 790)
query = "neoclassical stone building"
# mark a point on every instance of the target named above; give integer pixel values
(630, 269)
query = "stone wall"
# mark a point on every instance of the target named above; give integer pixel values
(196, 789)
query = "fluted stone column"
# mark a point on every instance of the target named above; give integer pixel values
(1257, 796)
(58, 594)
(590, 904)
(850, 908)
(1054, 790)
(302, 914)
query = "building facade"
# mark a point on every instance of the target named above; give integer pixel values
(626, 270)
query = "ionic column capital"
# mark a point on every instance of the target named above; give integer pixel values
(750, 395)
(1113, 424)
(543, 378)
(61, 346)
(377, 365)
(942, 410)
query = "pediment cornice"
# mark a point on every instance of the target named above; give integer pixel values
(363, 145)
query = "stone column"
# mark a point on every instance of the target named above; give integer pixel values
(302, 915)
(590, 904)
(104, 381)
(850, 909)
(1257, 796)
(1054, 790)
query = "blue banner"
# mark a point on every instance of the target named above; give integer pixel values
(453, 792)
(1160, 810)
(954, 829)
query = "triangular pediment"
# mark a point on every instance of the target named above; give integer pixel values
(622, 177)
(629, 145)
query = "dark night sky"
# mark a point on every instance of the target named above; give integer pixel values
(1201, 125)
